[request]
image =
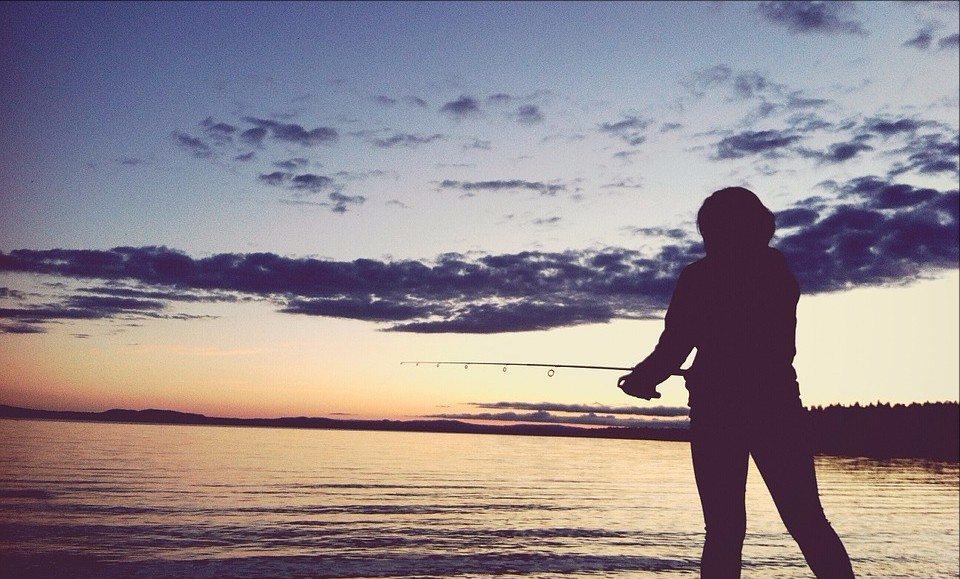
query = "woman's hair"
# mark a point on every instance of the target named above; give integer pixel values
(734, 218)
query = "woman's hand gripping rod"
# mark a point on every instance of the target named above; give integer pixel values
(629, 383)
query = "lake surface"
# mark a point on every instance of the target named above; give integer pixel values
(120, 500)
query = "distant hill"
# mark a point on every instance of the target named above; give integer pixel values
(153, 416)
(929, 430)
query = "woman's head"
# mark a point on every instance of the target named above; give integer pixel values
(733, 220)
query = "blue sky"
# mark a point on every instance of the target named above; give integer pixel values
(282, 201)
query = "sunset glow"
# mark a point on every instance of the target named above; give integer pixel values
(261, 209)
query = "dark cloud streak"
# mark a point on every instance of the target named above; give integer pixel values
(631, 129)
(754, 143)
(461, 108)
(667, 411)
(473, 187)
(813, 17)
(951, 42)
(408, 140)
(878, 232)
(589, 419)
(529, 115)
(194, 145)
(922, 40)
(290, 132)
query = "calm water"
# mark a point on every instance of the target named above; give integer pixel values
(115, 500)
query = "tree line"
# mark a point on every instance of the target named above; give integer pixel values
(881, 430)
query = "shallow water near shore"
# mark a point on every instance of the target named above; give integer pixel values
(123, 500)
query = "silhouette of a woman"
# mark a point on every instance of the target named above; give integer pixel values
(737, 306)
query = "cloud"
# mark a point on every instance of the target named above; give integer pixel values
(876, 232)
(113, 304)
(310, 182)
(159, 295)
(745, 85)
(478, 144)
(807, 123)
(624, 183)
(500, 293)
(930, 154)
(922, 40)
(796, 217)
(220, 137)
(289, 133)
(32, 318)
(21, 329)
(254, 136)
(625, 156)
(472, 187)
(763, 96)
(13, 294)
(841, 152)
(886, 126)
(341, 203)
(40, 314)
(461, 108)
(665, 411)
(754, 143)
(529, 115)
(951, 42)
(357, 307)
(547, 220)
(813, 17)
(914, 145)
(306, 182)
(795, 100)
(275, 179)
(671, 233)
(881, 194)
(336, 201)
(218, 131)
(656, 417)
(885, 233)
(306, 185)
(292, 164)
(631, 129)
(548, 418)
(749, 84)
(407, 140)
(706, 79)
(499, 99)
(194, 145)
(362, 175)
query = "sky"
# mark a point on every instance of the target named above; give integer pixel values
(262, 209)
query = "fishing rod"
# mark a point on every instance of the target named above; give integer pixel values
(505, 365)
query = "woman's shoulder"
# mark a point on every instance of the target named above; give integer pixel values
(695, 268)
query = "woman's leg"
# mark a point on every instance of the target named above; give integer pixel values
(720, 466)
(785, 461)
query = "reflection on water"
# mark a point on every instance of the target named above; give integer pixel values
(116, 500)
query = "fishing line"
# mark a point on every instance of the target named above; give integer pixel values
(505, 365)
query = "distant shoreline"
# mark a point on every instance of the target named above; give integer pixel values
(926, 431)
(152, 416)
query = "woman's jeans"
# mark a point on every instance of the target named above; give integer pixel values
(721, 444)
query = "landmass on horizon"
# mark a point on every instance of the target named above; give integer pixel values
(924, 431)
